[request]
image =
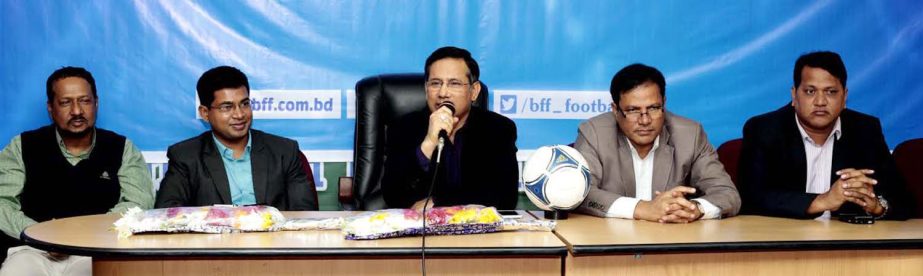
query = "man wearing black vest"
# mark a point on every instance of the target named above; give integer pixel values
(69, 168)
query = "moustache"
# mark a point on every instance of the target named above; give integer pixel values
(77, 118)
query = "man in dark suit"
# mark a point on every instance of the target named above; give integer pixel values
(232, 164)
(479, 158)
(814, 158)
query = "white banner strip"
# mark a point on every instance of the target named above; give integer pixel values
(293, 104)
(551, 104)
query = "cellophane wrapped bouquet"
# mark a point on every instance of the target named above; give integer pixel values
(205, 219)
(454, 220)
(389, 223)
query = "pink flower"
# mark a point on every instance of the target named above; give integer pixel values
(411, 214)
(218, 213)
(436, 216)
(172, 212)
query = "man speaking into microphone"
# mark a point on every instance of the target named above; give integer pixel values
(477, 164)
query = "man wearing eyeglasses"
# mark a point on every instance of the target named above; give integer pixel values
(479, 158)
(69, 168)
(232, 163)
(814, 158)
(649, 164)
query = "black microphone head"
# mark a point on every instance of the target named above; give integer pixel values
(448, 104)
(443, 135)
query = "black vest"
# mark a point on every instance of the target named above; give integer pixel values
(56, 189)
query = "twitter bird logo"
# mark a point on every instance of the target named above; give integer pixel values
(508, 104)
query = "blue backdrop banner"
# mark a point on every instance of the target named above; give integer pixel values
(548, 63)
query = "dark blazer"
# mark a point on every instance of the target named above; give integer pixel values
(489, 170)
(773, 165)
(196, 176)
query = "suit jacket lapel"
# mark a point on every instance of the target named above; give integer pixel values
(839, 155)
(627, 169)
(663, 162)
(796, 147)
(259, 162)
(215, 168)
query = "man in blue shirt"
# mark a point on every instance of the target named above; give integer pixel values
(231, 163)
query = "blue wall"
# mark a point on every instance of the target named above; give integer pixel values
(725, 60)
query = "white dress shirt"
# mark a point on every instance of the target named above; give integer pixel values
(820, 161)
(624, 207)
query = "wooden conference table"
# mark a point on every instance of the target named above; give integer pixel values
(296, 252)
(744, 245)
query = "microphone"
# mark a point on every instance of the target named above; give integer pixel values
(443, 135)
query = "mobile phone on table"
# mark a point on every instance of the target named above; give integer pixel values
(857, 218)
(510, 214)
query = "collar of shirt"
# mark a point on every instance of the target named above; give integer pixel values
(643, 169)
(836, 133)
(67, 154)
(634, 152)
(228, 153)
(819, 160)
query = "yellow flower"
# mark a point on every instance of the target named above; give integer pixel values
(267, 220)
(488, 215)
(463, 216)
(381, 216)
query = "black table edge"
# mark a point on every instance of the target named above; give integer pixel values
(554, 251)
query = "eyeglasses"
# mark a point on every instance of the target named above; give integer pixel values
(634, 113)
(453, 85)
(228, 107)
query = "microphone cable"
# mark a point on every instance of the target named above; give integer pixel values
(429, 196)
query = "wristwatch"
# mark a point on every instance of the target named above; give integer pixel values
(698, 205)
(884, 205)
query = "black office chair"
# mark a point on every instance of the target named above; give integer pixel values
(729, 155)
(909, 158)
(306, 166)
(380, 100)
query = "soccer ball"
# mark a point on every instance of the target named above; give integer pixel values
(556, 178)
